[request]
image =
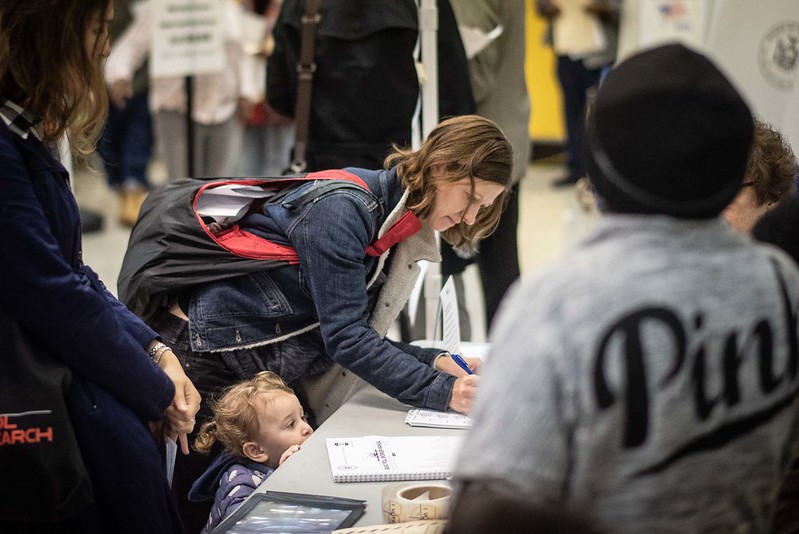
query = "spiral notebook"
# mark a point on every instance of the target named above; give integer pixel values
(386, 459)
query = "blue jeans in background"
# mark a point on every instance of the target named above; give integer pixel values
(126, 145)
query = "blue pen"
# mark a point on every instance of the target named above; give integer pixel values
(461, 363)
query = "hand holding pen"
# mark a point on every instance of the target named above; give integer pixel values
(465, 387)
(461, 363)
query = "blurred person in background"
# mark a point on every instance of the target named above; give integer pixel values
(126, 144)
(221, 100)
(770, 176)
(579, 74)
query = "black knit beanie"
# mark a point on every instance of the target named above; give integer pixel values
(668, 134)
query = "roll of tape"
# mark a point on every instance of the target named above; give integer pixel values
(415, 501)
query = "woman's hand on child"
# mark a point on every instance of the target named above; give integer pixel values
(179, 417)
(291, 450)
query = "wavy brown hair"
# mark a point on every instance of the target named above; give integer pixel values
(468, 146)
(772, 165)
(45, 67)
(235, 419)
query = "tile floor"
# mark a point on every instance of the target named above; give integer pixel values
(550, 220)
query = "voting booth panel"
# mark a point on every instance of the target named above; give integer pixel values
(756, 44)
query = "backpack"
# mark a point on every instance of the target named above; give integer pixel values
(187, 234)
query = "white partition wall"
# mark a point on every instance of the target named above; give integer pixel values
(647, 23)
(757, 45)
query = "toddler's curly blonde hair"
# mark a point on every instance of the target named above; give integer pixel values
(235, 419)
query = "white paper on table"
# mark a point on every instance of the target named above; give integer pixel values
(451, 329)
(436, 419)
(575, 32)
(476, 40)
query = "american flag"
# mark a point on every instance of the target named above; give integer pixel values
(672, 10)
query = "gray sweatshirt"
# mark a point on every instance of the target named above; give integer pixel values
(647, 379)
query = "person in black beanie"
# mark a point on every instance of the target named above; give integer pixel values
(650, 375)
(668, 135)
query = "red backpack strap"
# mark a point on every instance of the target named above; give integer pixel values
(404, 228)
(241, 242)
(336, 174)
(247, 245)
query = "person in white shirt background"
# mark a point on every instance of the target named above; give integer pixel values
(221, 100)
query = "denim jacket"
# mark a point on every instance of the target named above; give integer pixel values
(336, 287)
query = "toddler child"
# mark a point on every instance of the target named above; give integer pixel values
(260, 423)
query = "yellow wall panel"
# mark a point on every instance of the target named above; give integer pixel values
(546, 119)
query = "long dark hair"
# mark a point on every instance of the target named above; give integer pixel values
(45, 67)
(467, 146)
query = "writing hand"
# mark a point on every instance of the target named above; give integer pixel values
(463, 393)
(448, 365)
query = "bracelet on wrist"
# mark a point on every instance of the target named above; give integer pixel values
(157, 351)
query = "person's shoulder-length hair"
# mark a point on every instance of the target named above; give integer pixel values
(46, 68)
(467, 146)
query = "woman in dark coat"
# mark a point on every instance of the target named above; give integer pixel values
(51, 85)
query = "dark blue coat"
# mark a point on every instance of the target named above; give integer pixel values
(60, 304)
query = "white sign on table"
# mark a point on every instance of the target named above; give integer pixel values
(451, 328)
